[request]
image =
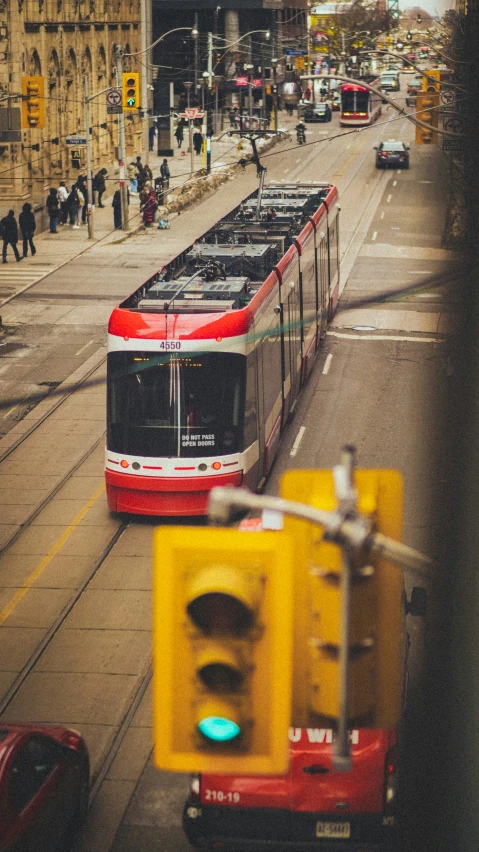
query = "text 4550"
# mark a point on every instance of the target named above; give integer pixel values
(170, 344)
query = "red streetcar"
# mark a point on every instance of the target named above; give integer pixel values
(360, 106)
(207, 357)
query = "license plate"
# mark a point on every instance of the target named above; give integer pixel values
(333, 829)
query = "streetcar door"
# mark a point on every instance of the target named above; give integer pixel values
(293, 342)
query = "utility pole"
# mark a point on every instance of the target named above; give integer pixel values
(121, 143)
(188, 86)
(144, 79)
(196, 54)
(90, 208)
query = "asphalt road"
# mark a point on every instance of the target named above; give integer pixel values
(75, 619)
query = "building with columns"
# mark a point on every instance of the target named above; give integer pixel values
(64, 41)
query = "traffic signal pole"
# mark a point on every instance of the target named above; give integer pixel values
(90, 207)
(122, 144)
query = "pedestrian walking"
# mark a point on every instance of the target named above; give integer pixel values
(179, 133)
(53, 209)
(82, 185)
(9, 232)
(80, 204)
(62, 199)
(27, 223)
(116, 204)
(72, 205)
(99, 185)
(133, 178)
(165, 170)
(145, 191)
(139, 170)
(198, 141)
(149, 208)
(151, 137)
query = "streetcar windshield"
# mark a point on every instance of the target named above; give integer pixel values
(355, 101)
(175, 405)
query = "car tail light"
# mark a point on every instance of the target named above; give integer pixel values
(72, 739)
(390, 779)
(384, 154)
(195, 787)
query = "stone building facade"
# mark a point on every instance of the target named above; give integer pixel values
(64, 41)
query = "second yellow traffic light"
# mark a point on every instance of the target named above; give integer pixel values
(33, 102)
(222, 650)
(375, 642)
(130, 89)
(427, 110)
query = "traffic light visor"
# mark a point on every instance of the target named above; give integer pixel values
(223, 598)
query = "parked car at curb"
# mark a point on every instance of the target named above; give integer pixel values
(318, 112)
(44, 787)
(392, 154)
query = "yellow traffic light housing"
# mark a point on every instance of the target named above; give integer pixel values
(130, 90)
(427, 110)
(222, 650)
(375, 646)
(431, 81)
(33, 102)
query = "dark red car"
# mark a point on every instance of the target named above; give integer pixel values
(312, 807)
(44, 786)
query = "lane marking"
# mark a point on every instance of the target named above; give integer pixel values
(382, 215)
(374, 235)
(420, 271)
(20, 594)
(395, 228)
(286, 171)
(395, 182)
(388, 199)
(298, 161)
(9, 412)
(327, 364)
(398, 172)
(83, 348)
(425, 181)
(386, 337)
(297, 441)
(348, 146)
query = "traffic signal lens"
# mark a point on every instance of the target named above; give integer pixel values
(220, 668)
(232, 607)
(218, 722)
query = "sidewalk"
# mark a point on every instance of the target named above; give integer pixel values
(53, 250)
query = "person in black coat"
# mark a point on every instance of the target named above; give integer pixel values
(53, 209)
(99, 184)
(27, 223)
(82, 185)
(10, 235)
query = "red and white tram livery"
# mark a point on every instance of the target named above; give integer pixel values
(206, 359)
(360, 106)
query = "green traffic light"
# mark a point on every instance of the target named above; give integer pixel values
(131, 102)
(218, 729)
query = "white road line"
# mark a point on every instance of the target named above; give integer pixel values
(420, 271)
(395, 228)
(374, 236)
(348, 146)
(297, 441)
(395, 183)
(388, 199)
(298, 161)
(382, 215)
(286, 171)
(83, 348)
(398, 172)
(425, 181)
(385, 337)
(10, 410)
(327, 364)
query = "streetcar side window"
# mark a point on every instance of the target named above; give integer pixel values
(308, 280)
(333, 250)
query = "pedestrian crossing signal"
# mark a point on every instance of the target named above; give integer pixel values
(131, 90)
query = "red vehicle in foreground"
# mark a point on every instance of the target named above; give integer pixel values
(311, 807)
(44, 787)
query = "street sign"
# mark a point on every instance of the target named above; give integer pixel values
(455, 124)
(448, 100)
(297, 52)
(113, 97)
(77, 141)
(453, 144)
(191, 113)
(114, 110)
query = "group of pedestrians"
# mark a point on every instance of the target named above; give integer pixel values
(9, 232)
(138, 175)
(197, 137)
